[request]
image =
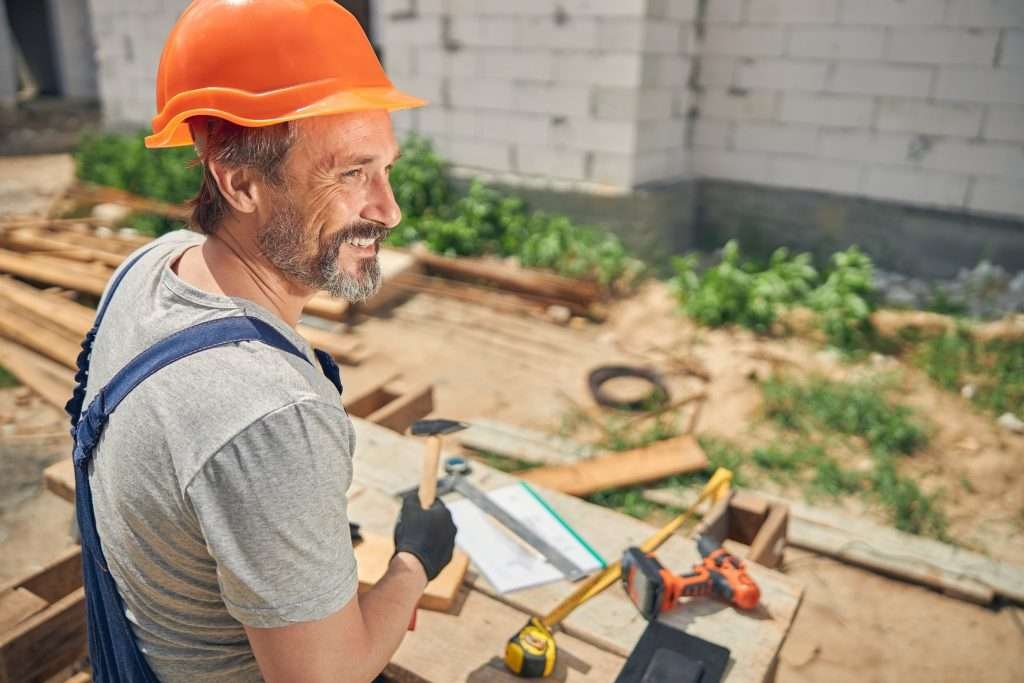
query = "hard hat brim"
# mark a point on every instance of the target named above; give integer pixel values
(218, 102)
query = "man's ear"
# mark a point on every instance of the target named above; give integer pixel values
(242, 187)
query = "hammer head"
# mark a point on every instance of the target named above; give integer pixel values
(436, 427)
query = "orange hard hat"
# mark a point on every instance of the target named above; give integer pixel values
(261, 62)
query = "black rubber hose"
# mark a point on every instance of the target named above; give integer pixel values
(658, 397)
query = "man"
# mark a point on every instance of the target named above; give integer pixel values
(217, 489)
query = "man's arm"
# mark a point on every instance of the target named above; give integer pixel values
(353, 644)
(356, 642)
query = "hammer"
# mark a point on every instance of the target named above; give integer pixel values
(434, 430)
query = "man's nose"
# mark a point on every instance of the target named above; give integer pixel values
(381, 206)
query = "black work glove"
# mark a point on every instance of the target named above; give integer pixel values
(428, 534)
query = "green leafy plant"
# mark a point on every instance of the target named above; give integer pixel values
(124, 162)
(742, 292)
(845, 300)
(487, 221)
(738, 291)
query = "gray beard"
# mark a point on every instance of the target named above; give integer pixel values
(282, 241)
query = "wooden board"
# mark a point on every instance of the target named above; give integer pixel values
(574, 293)
(16, 605)
(955, 571)
(51, 381)
(391, 403)
(53, 638)
(663, 459)
(386, 463)
(59, 479)
(447, 648)
(528, 445)
(373, 554)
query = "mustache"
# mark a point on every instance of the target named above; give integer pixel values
(361, 230)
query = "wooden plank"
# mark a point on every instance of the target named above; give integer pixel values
(46, 642)
(343, 349)
(528, 445)
(44, 341)
(388, 462)
(16, 605)
(662, 459)
(575, 293)
(955, 571)
(73, 316)
(324, 306)
(52, 382)
(412, 402)
(59, 479)
(56, 579)
(80, 677)
(769, 546)
(373, 555)
(446, 648)
(44, 270)
(102, 195)
(25, 240)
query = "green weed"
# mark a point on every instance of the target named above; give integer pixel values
(7, 379)
(909, 508)
(996, 369)
(859, 409)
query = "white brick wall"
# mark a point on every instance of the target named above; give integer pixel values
(918, 101)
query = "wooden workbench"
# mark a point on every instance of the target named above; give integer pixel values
(598, 634)
(467, 644)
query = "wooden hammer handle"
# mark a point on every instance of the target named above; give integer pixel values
(428, 484)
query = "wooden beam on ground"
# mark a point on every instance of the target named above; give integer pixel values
(52, 382)
(102, 194)
(374, 553)
(24, 240)
(527, 445)
(678, 455)
(343, 349)
(578, 292)
(44, 270)
(59, 479)
(391, 403)
(16, 605)
(73, 316)
(47, 642)
(23, 330)
(324, 306)
(956, 571)
(53, 638)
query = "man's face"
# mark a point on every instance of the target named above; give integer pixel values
(334, 206)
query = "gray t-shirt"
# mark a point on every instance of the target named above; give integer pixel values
(219, 483)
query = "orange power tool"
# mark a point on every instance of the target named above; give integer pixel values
(654, 589)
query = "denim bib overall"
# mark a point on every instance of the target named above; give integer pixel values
(113, 653)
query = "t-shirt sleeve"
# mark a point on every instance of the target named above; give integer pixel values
(271, 504)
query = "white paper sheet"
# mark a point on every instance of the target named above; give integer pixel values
(503, 558)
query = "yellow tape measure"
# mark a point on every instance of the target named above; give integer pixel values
(531, 652)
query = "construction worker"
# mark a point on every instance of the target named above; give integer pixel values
(212, 452)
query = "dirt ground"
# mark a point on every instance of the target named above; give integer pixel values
(853, 625)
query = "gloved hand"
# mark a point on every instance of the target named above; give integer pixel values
(428, 534)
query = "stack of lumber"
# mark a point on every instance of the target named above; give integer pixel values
(46, 265)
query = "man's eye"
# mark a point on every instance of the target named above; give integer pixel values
(354, 173)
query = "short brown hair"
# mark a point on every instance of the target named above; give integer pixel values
(262, 148)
